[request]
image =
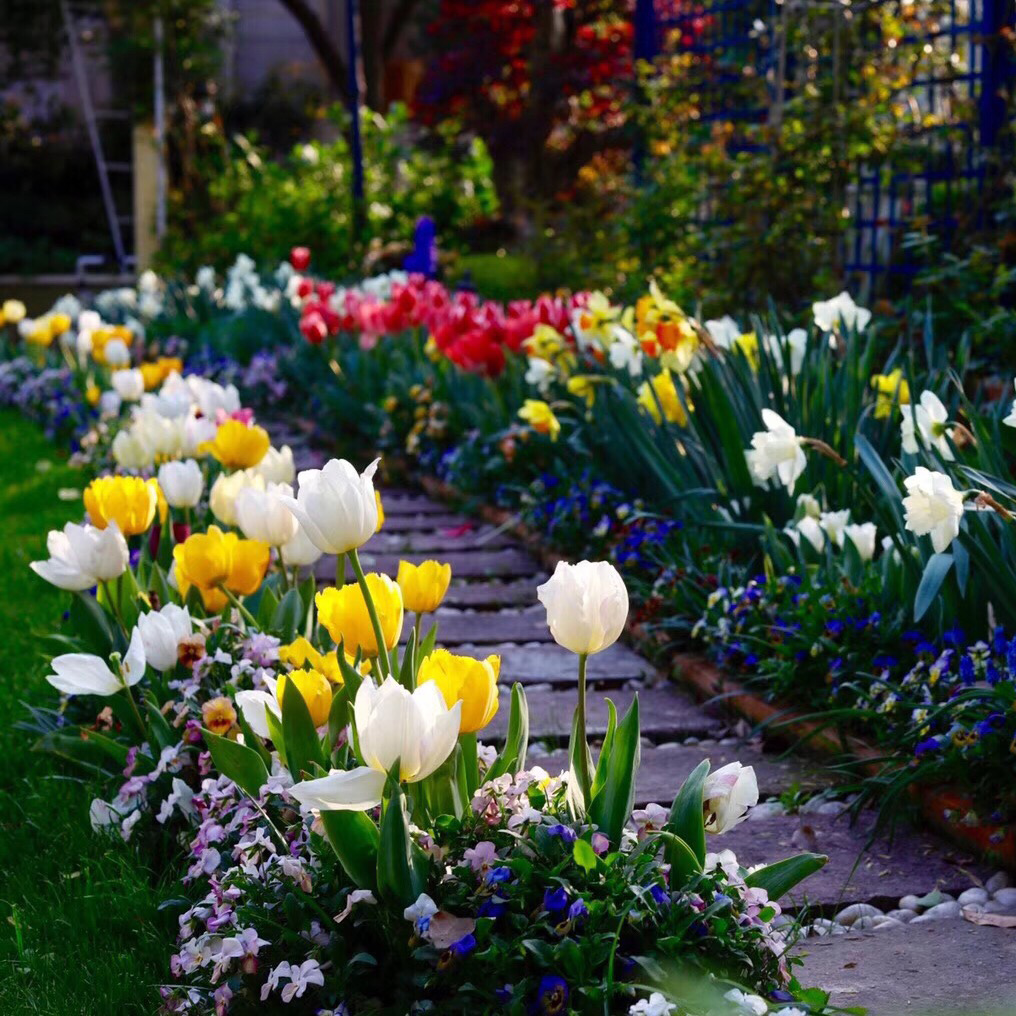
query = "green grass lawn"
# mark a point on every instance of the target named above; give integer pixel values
(79, 926)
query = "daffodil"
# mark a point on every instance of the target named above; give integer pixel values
(541, 418)
(890, 390)
(660, 393)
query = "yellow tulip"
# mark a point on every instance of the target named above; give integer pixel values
(128, 501)
(747, 345)
(59, 323)
(300, 653)
(343, 612)
(238, 446)
(101, 338)
(13, 312)
(41, 332)
(541, 418)
(665, 397)
(314, 688)
(423, 585)
(463, 679)
(215, 559)
(890, 389)
(156, 372)
(380, 511)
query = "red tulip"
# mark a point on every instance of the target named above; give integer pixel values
(299, 258)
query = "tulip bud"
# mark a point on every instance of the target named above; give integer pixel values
(587, 605)
(299, 258)
(129, 384)
(264, 516)
(181, 483)
(727, 795)
(423, 585)
(162, 632)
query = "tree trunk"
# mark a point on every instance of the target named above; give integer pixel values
(322, 43)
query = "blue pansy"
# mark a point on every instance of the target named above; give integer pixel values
(555, 900)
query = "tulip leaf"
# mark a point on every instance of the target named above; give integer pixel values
(338, 716)
(445, 787)
(934, 575)
(681, 858)
(470, 763)
(303, 746)
(687, 819)
(401, 865)
(265, 610)
(92, 624)
(611, 807)
(580, 763)
(288, 615)
(158, 587)
(129, 598)
(600, 776)
(779, 878)
(351, 677)
(427, 644)
(407, 672)
(274, 724)
(516, 744)
(354, 837)
(241, 764)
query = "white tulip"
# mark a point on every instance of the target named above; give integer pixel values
(197, 430)
(277, 465)
(129, 384)
(109, 404)
(727, 795)
(84, 674)
(775, 451)
(416, 728)
(117, 354)
(587, 605)
(264, 515)
(299, 551)
(130, 451)
(83, 556)
(161, 632)
(828, 313)
(747, 1005)
(225, 491)
(172, 404)
(863, 538)
(254, 705)
(181, 483)
(933, 507)
(336, 506)
(928, 418)
(833, 524)
(810, 529)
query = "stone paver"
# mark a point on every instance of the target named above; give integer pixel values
(455, 627)
(493, 595)
(538, 664)
(441, 541)
(425, 523)
(465, 563)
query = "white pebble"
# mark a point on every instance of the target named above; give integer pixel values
(1000, 880)
(768, 809)
(948, 909)
(994, 907)
(822, 926)
(866, 923)
(904, 916)
(972, 895)
(848, 915)
(831, 808)
(910, 902)
(1006, 896)
(975, 908)
(886, 922)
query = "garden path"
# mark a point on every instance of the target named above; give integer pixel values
(492, 607)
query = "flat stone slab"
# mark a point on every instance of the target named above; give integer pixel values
(440, 541)
(543, 663)
(520, 593)
(666, 767)
(943, 967)
(664, 712)
(912, 862)
(420, 523)
(465, 564)
(454, 628)
(397, 503)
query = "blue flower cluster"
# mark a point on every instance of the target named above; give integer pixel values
(260, 382)
(48, 397)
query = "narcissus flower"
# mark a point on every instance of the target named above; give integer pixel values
(463, 679)
(840, 310)
(417, 729)
(540, 417)
(661, 393)
(128, 501)
(775, 451)
(343, 612)
(337, 506)
(423, 585)
(238, 446)
(891, 389)
(929, 418)
(214, 559)
(83, 556)
(315, 689)
(587, 605)
(933, 507)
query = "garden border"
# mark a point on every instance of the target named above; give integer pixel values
(709, 683)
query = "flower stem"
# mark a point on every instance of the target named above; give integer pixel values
(580, 751)
(382, 649)
(112, 606)
(340, 571)
(137, 712)
(244, 612)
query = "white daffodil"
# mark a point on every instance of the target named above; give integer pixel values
(863, 537)
(833, 524)
(625, 352)
(724, 332)
(727, 795)
(417, 729)
(336, 506)
(83, 556)
(85, 674)
(933, 507)
(587, 605)
(540, 373)
(775, 451)
(927, 418)
(840, 310)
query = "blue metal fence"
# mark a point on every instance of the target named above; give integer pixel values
(944, 195)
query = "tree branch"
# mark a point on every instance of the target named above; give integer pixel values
(396, 24)
(322, 44)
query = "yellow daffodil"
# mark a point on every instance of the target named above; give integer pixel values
(314, 688)
(583, 386)
(463, 679)
(660, 393)
(238, 446)
(344, 614)
(890, 389)
(547, 343)
(218, 715)
(595, 321)
(541, 418)
(423, 585)
(13, 312)
(215, 559)
(128, 501)
(747, 345)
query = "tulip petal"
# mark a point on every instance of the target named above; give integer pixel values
(83, 674)
(252, 705)
(342, 790)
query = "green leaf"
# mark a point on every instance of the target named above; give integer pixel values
(92, 625)
(338, 716)
(686, 817)
(354, 837)
(427, 644)
(585, 856)
(611, 808)
(303, 746)
(267, 606)
(681, 858)
(407, 673)
(779, 878)
(516, 744)
(288, 616)
(252, 740)
(274, 724)
(600, 776)
(158, 726)
(934, 575)
(241, 764)
(158, 586)
(401, 866)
